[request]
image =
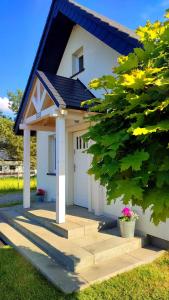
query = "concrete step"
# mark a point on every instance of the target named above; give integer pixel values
(69, 282)
(66, 281)
(67, 253)
(109, 244)
(120, 264)
(75, 226)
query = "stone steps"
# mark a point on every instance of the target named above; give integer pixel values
(111, 245)
(67, 281)
(74, 227)
(59, 248)
(78, 253)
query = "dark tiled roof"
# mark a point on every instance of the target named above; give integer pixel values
(65, 92)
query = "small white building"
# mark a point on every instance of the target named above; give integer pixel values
(77, 45)
(9, 167)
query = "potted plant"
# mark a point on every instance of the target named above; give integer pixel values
(40, 193)
(127, 222)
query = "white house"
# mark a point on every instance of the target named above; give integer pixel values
(77, 45)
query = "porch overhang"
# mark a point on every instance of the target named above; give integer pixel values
(63, 93)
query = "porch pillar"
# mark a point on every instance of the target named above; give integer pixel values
(60, 169)
(26, 169)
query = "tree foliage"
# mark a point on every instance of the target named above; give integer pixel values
(130, 129)
(9, 142)
(13, 144)
(15, 100)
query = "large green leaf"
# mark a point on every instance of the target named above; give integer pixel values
(127, 189)
(134, 160)
(158, 200)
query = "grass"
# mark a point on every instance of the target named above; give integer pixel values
(13, 184)
(20, 281)
(10, 204)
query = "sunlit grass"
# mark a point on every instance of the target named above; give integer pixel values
(20, 281)
(12, 184)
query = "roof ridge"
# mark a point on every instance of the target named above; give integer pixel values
(107, 20)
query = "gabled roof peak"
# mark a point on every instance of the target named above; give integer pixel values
(107, 20)
(63, 15)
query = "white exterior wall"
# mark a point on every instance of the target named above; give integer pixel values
(143, 224)
(98, 57)
(48, 182)
(44, 181)
(98, 60)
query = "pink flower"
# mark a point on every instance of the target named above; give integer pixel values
(127, 212)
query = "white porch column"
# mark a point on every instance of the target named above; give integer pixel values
(60, 169)
(26, 169)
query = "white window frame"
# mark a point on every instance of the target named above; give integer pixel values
(75, 61)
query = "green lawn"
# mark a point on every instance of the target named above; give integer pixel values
(20, 281)
(12, 184)
(10, 204)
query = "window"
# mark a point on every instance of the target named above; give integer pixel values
(81, 144)
(52, 154)
(12, 168)
(78, 61)
(81, 63)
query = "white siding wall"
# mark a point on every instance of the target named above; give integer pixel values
(143, 224)
(44, 181)
(98, 57)
(98, 60)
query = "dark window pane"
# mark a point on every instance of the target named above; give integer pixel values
(80, 140)
(12, 167)
(81, 63)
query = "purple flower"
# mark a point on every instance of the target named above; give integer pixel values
(127, 212)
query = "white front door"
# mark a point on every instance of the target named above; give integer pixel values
(81, 166)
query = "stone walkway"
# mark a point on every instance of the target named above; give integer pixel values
(13, 197)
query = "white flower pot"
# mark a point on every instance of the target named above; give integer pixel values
(127, 229)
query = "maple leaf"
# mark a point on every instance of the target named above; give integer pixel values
(134, 160)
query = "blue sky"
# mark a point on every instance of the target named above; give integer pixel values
(22, 22)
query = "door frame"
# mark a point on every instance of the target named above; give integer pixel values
(89, 183)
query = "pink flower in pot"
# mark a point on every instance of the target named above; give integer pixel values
(127, 212)
(40, 192)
